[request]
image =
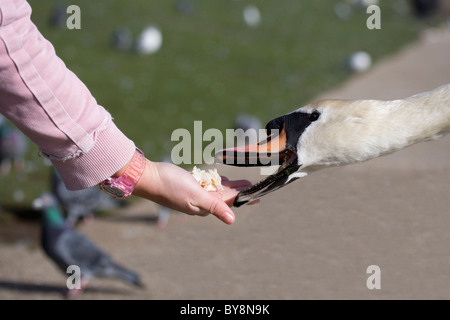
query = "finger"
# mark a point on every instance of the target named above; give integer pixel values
(221, 210)
(216, 206)
(211, 202)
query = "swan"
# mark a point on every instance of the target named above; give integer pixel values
(329, 133)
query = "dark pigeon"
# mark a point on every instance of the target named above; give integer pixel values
(58, 16)
(425, 8)
(247, 121)
(65, 247)
(13, 146)
(81, 204)
(122, 39)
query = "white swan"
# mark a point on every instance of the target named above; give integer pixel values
(339, 132)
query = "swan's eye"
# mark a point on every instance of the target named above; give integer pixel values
(314, 116)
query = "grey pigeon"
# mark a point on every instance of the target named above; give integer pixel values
(13, 146)
(81, 204)
(185, 7)
(58, 16)
(425, 8)
(65, 247)
(247, 126)
(121, 39)
(247, 121)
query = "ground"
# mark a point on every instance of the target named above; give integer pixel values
(314, 239)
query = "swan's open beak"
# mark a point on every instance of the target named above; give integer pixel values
(273, 150)
(278, 148)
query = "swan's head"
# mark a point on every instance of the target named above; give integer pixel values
(321, 134)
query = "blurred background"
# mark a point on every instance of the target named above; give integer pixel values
(161, 65)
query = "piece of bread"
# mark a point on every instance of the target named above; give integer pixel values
(209, 180)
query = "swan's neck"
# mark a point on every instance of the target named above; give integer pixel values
(360, 130)
(426, 115)
(401, 123)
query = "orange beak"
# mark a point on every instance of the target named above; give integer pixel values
(266, 152)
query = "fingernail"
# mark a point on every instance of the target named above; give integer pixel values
(229, 217)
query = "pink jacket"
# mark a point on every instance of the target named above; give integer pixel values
(53, 107)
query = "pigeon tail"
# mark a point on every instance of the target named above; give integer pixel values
(126, 275)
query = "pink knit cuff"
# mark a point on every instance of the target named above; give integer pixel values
(111, 152)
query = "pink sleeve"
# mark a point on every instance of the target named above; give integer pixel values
(53, 107)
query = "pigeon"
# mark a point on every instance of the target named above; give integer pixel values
(247, 121)
(58, 16)
(425, 8)
(149, 40)
(13, 146)
(163, 216)
(246, 126)
(121, 39)
(66, 247)
(185, 7)
(81, 204)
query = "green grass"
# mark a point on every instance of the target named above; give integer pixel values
(211, 67)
